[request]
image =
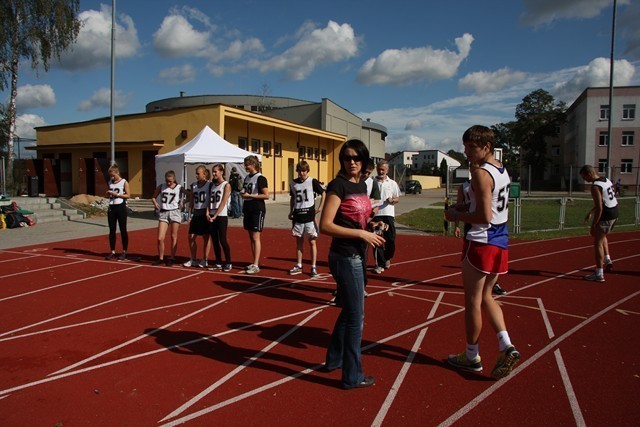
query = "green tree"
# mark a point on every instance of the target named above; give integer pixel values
(458, 156)
(538, 117)
(510, 149)
(38, 31)
(444, 170)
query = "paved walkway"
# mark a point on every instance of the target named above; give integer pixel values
(277, 212)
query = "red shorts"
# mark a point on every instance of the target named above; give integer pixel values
(488, 259)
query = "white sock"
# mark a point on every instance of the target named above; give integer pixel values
(599, 272)
(472, 351)
(607, 259)
(503, 340)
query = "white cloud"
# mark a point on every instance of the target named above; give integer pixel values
(404, 66)
(630, 30)
(485, 81)
(596, 74)
(413, 124)
(93, 45)
(25, 124)
(315, 47)
(34, 96)
(540, 12)
(176, 37)
(102, 99)
(180, 74)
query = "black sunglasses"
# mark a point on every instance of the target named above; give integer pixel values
(348, 158)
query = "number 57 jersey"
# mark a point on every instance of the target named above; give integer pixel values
(495, 233)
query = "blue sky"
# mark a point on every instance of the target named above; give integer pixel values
(426, 70)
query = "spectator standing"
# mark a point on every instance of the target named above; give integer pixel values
(235, 180)
(345, 217)
(254, 192)
(303, 191)
(389, 197)
(117, 214)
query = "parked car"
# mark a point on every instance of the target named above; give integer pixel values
(413, 187)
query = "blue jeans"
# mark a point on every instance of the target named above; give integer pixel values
(345, 347)
(236, 204)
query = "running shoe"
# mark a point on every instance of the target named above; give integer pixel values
(203, 264)
(252, 269)
(314, 272)
(190, 263)
(460, 361)
(170, 262)
(497, 290)
(110, 256)
(378, 270)
(158, 262)
(387, 264)
(123, 257)
(227, 267)
(594, 277)
(507, 360)
(216, 267)
(297, 269)
(608, 266)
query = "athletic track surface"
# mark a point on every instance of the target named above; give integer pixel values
(84, 341)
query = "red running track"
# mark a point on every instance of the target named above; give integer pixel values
(84, 341)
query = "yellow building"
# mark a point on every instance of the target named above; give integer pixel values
(75, 148)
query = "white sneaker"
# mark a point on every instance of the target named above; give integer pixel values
(594, 278)
(314, 272)
(378, 270)
(227, 267)
(387, 264)
(252, 269)
(203, 263)
(190, 263)
(295, 270)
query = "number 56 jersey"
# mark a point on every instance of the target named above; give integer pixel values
(495, 233)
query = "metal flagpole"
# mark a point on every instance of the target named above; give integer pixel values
(610, 130)
(113, 62)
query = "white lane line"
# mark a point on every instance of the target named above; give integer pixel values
(545, 318)
(488, 392)
(68, 283)
(382, 413)
(561, 313)
(237, 370)
(41, 269)
(432, 313)
(573, 400)
(51, 319)
(18, 259)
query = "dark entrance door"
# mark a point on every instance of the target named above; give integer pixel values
(148, 173)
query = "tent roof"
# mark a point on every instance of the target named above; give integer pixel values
(207, 147)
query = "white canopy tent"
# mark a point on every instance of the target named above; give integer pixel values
(206, 148)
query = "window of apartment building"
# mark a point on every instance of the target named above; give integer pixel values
(323, 154)
(603, 139)
(255, 145)
(242, 142)
(604, 112)
(310, 152)
(266, 148)
(627, 138)
(316, 153)
(277, 149)
(301, 152)
(626, 166)
(555, 150)
(602, 165)
(628, 111)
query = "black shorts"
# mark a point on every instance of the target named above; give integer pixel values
(199, 225)
(253, 221)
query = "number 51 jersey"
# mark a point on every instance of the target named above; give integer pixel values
(495, 233)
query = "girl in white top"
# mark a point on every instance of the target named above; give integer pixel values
(217, 214)
(118, 192)
(167, 200)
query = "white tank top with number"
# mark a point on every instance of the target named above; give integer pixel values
(217, 191)
(170, 197)
(200, 195)
(118, 188)
(303, 193)
(495, 233)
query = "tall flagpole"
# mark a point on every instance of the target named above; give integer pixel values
(113, 68)
(610, 130)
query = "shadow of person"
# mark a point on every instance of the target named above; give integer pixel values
(304, 337)
(276, 288)
(191, 343)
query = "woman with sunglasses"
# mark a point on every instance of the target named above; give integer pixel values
(346, 217)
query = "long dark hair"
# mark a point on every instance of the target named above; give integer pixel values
(361, 151)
